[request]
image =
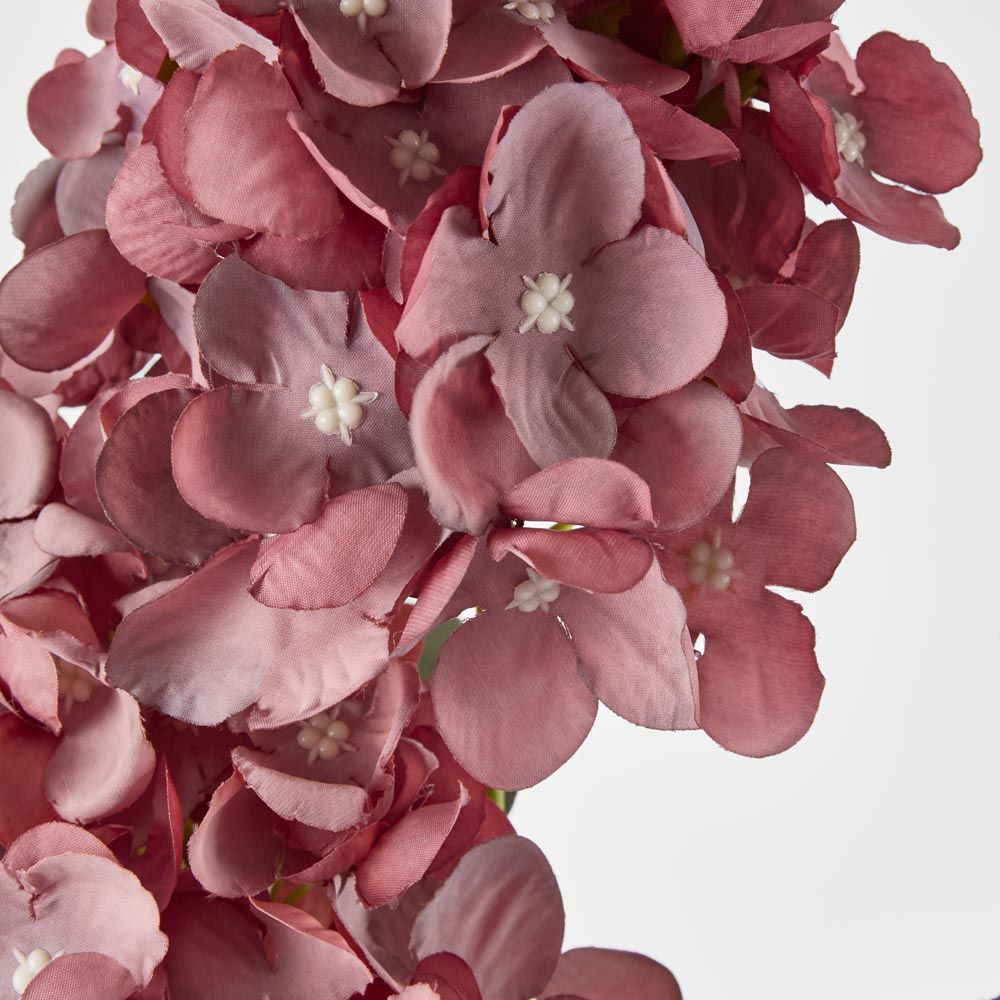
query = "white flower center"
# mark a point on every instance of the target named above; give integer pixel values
(363, 9)
(28, 966)
(851, 140)
(547, 303)
(76, 685)
(130, 77)
(325, 736)
(536, 592)
(710, 564)
(414, 156)
(533, 10)
(337, 405)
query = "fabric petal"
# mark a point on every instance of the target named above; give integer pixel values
(792, 322)
(23, 565)
(488, 44)
(706, 22)
(521, 666)
(603, 974)
(82, 189)
(28, 445)
(83, 976)
(25, 751)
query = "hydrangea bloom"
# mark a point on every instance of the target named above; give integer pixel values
(414, 344)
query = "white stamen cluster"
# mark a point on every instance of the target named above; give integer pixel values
(547, 303)
(363, 10)
(130, 77)
(29, 965)
(325, 736)
(414, 156)
(710, 564)
(533, 10)
(851, 140)
(337, 405)
(536, 592)
(76, 685)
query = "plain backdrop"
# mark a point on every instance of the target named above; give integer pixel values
(864, 862)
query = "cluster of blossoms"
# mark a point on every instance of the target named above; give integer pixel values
(414, 343)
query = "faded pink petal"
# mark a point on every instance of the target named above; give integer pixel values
(34, 217)
(703, 23)
(83, 187)
(23, 565)
(488, 42)
(27, 445)
(63, 531)
(602, 974)
(25, 751)
(793, 322)
(29, 675)
(83, 976)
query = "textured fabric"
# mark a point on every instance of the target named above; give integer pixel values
(601, 974)
(27, 445)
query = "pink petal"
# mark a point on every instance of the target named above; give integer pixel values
(591, 491)
(773, 44)
(828, 261)
(51, 839)
(79, 456)
(103, 762)
(286, 194)
(29, 674)
(82, 189)
(635, 651)
(81, 276)
(25, 751)
(451, 978)
(602, 974)
(72, 106)
(83, 976)
(798, 521)
(732, 370)
(501, 912)
(759, 681)
(707, 22)
(597, 57)
(137, 43)
(686, 446)
(28, 445)
(489, 43)
(23, 565)
(196, 31)
(401, 858)
(234, 851)
(901, 129)
(649, 315)
(138, 492)
(595, 140)
(498, 680)
(608, 562)
(466, 449)
(34, 217)
(790, 321)
(356, 532)
(101, 19)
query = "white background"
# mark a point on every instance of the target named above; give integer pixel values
(865, 862)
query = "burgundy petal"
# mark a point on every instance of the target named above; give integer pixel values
(602, 974)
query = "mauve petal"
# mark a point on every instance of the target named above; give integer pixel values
(450, 976)
(103, 762)
(145, 220)
(357, 532)
(34, 217)
(137, 43)
(686, 446)
(827, 433)
(901, 129)
(83, 187)
(773, 44)
(25, 751)
(828, 261)
(602, 974)
(732, 370)
(72, 106)
(286, 193)
(130, 393)
(894, 212)
(702, 23)
(635, 651)
(598, 57)
(101, 19)
(81, 276)
(83, 976)
(467, 450)
(595, 140)
(501, 912)
(649, 315)
(557, 409)
(245, 459)
(792, 322)
(490, 43)
(234, 851)
(137, 489)
(402, 856)
(23, 565)
(413, 34)
(196, 31)
(79, 456)
(519, 668)
(759, 682)
(28, 445)
(798, 521)
(29, 673)
(51, 839)
(591, 559)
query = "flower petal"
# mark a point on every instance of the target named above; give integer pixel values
(28, 445)
(603, 974)
(25, 751)
(83, 976)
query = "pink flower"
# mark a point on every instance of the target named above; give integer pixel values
(564, 279)
(848, 123)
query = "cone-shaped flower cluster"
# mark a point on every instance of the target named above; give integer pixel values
(414, 342)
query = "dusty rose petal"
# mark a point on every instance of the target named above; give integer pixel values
(521, 666)
(451, 978)
(758, 679)
(101, 19)
(789, 321)
(81, 276)
(103, 762)
(73, 105)
(773, 44)
(28, 445)
(635, 651)
(286, 194)
(50, 839)
(25, 751)
(828, 261)
(234, 851)
(137, 43)
(83, 187)
(34, 217)
(467, 450)
(488, 43)
(602, 974)
(798, 521)
(706, 22)
(501, 912)
(23, 565)
(84, 976)
(29, 673)
(196, 31)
